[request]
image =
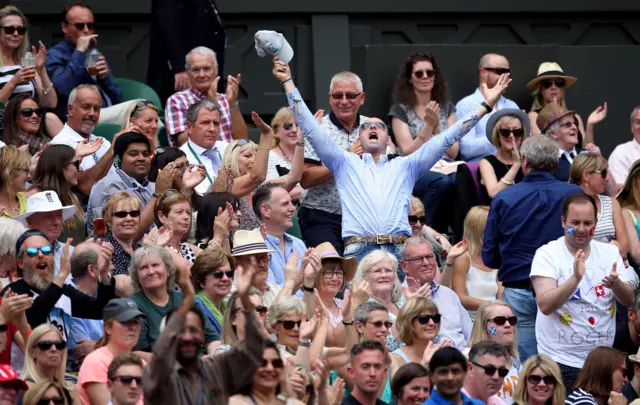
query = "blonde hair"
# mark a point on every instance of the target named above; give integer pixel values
(283, 116)
(495, 135)
(113, 201)
(232, 152)
(586, 162)
(36, 391)
(11, 160)
(30, 370)
(474, 224)
(551, 368)
(479, 331)
(134, 112)
(417, 205)
(412, 308)
(24, 45)
(538, 101)
(228, 334)
(380, 256)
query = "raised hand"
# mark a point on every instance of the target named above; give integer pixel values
(308, 327)
(221, 222)
(13, 305)
(164, 181)
(260, 124)
(578, 264)
(612, 279)
(165, 233)
(281, 70)
(593, 149)
(360, 292)
(88, 148)
(491, 95)
(41, 56)
(445, 245)
(335, 392)
(313, 266)
(347, 304)
(291, 273)
(105, 256)
(598, 115)
(183, 278)
(212, 93)
(65, 261)
(432, 115)
(233, 86)
(193, 175)
(244, 279)
(223, 179)
(431, 349)
(132, 128)
(318, 116)
(458, 249)
(423, 291)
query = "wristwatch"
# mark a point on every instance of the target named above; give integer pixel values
(308, 289)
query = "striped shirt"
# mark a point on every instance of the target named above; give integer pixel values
(7, 72)
(580, 397)
(605, 229)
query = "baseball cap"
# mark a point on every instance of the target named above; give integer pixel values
(274, 44)
(9, 375)
(122, 309)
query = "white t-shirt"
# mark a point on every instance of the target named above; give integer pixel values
(587, 319)
(71, 138)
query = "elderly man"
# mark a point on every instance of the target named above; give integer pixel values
(489, 364)
(420, 266)
(522, 218)
(625, 154)
(475, 145)
(577, 283)
(202, 68)
(54, 301)
(375, 192)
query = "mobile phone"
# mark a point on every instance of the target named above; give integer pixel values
(99, 227)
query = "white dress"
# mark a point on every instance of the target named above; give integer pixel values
(482, 285)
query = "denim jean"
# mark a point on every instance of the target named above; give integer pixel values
(525, 308)
(361, 249)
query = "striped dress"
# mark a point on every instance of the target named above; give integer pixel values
(6, 73)
(605, 230)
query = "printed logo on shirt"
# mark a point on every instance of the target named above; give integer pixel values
(600, 290)
(577, 296)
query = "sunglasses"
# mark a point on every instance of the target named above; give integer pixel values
(275, 363)
(380, 324)
(498, 71)
(422, 73)
(568, 124)
(241, 142)
(76, 163)
(124, 214)
(349, 96)
(548, 83)
(490, 370)
(288, 126)
(144, 104)
(517, 132)
(289, 325)
(262, 310)
(10, 30)
(45, 345)
(127, 379)
(33, 251)
(414, 218)
(501, 320)
(28, 112)
(424, 319)
(535, 379)
(47, 400)
(80, 25)
(373, 124)
(219, 274)
(603, 173)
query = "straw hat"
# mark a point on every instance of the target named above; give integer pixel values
(550, 70)
(551, 113)
(635, 357)
(327, 251)
(249, 243)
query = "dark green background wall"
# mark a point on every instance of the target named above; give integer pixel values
(595, 40)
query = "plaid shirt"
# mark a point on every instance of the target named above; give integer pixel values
(175, 115)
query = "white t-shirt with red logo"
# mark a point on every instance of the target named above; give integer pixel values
(587, 319)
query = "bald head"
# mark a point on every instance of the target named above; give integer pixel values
(491, 66)
(85, 257)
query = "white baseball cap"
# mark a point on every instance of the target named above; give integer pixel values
(274, 44)
(46, 201)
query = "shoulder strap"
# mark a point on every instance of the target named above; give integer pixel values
(633, 216)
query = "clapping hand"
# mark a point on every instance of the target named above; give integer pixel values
(458, 250)
(65, 260)
(41, 56)
(13, 305)
(423, 291)
(598, 115)
(233, 86)
(491, 95)
(193, 175)
(88, 148)
(579, 264)
(308, 327)
(432, 115)
(244, 281)
(221, 222)
(291, 273)
(612, 279)
(431, 349)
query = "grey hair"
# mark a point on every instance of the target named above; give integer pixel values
(282, 306)
(380, 256)
(194, 109)
(145, 252)
(10, 231)
(412, 241)
(363, 310)
(636, 108)
(541, 152)
(202, 50)
(491, 348)
(80, 262)
(74, 92)
(552, 128)
(347, 78)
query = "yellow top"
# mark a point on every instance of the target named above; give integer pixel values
(22, 206)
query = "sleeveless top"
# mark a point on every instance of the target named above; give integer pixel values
(635, 222)
(402, 354)
(605, 230)
(500, 170)
(481, 285)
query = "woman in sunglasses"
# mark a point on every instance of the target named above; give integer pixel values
(144, 115)
(14, 172)
(600, 380)
(506, 129)
(540, 382)
(46, 393)
(411, 384)
(173, 211)
(46, 359)
(24, 124)
(591, 173)
(496, 322)
(286, 316)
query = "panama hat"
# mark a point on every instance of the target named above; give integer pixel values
(249, 243)
(550, 70)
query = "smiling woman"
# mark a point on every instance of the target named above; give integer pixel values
(173, 211)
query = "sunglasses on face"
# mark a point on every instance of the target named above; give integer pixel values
(33, 251)
(424, 319)
(548, 83)
(289, 325)
(47, 400)
(262, 310)
(349, 96)
(380, 324)
(505, 132)
(127, 379)
(124, 214)
(535, 379)
(498, 71)
(28, 112)
(275, 363)
(373, 124)
(287, 127)
(422, 73)
(12, 29)
(219, 274)
(45, 345)
(490, 370)
(76, 163)
(80, 25)
(414, 218)
(501, 320)
(568, 124)
(603, 173)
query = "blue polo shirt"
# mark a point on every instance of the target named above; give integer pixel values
(436, 399)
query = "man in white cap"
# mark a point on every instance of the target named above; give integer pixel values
(46, 214)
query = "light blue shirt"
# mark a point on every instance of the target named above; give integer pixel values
(83, 329)
(375, 198)
(476, 145)
(456, 323)
(279, 260)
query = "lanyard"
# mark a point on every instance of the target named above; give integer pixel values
(195, 155)
(187, 394)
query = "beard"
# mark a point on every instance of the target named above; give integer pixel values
(34, 280)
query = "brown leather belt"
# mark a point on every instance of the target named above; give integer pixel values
(378, 239)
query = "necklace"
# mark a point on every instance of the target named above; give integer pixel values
(286, 157)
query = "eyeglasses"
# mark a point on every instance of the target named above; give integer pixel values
(196, 70)
(424, 319)
(505, 132)
(124, 214)
(568, 124)
(501, 320)
(10, 30)
(80, 25)
(330, 273)
(262, 310)
(535, 379)
(414, 218)
(219, 274)
(128, 379)
(603, 173)
(76, 163)
(421, 73)
(28, 112)
(45, 345)
(420, 259)
(349, 96)
(373, 124)
(241, 142)
(548, 83)
(263, 258)
(490, 370)
(289, 325)
(275, 363)
(33, 251)
(288, 126)
(47, 400)
(380, 324)
(498, 71)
